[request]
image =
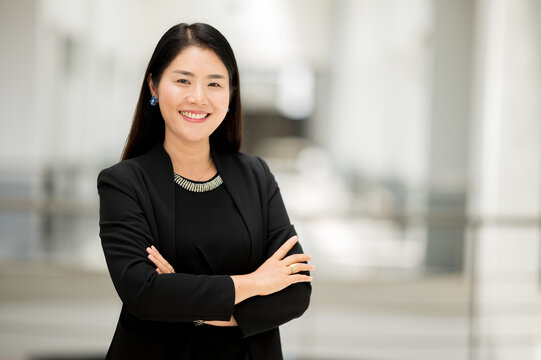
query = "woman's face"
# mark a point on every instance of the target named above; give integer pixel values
(193, 95)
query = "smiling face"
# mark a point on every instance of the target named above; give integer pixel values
(193, 95)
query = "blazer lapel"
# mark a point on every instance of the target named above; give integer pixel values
(242, 186)
(158, 165)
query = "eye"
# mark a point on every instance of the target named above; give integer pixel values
(215, 85)
(183, 81)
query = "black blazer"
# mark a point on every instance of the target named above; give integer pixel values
(137, 209)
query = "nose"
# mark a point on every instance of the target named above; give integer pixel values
(197, 95)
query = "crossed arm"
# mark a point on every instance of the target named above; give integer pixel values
(276, 273)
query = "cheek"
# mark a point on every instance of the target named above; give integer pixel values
(223, 100)
(167, 94)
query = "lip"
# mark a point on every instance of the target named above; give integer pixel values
(194, 112)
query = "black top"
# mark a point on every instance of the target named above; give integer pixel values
(211, 239)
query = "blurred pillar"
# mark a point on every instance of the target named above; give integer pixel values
(449, 134)
(376, 122)
(18, 95)
(506, 181)
(19, 150)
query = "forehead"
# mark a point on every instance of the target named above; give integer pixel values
(199, 61)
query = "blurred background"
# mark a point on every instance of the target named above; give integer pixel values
(405, 136)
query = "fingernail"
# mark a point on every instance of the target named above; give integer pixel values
(153, 247)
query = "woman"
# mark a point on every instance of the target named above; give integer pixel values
(195, 234)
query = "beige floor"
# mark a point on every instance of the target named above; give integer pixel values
(48, 311)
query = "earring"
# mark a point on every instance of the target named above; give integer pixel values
(153, 101)
(228, 110)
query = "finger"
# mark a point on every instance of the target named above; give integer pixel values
(160, 258)
(159, 265)
(157, 254)
(284, 249)
(158, 271)
(296, 258)
(299, 278)
(302, 267)
(154, 259)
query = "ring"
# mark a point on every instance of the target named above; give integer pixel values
(293, 268)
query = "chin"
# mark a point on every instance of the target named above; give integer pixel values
(195, 139)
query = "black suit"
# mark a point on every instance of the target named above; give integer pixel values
(137, 209)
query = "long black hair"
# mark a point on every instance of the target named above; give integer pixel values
(148, 127)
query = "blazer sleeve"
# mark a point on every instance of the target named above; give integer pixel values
(125, 234)
(262, 313)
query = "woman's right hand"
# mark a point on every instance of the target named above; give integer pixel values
(278, 272)
(275, 274)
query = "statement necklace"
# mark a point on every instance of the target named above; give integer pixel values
(198, 186)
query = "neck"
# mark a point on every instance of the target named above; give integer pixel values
(189, 160)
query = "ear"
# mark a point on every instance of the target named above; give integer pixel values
(151, 85)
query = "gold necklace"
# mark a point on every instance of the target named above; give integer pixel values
(210, 164)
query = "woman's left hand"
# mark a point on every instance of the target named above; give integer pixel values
(163, 267)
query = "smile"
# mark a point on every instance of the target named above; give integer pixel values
(191, 116)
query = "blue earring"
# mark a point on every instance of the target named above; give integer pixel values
(228, 110)
(153, 101)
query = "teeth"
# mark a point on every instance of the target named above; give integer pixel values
(192, 115)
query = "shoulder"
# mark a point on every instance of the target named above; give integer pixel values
(122, 169)
(155, 162)
(245, 162)
(123, 176)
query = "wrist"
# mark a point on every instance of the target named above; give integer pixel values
(245, 287)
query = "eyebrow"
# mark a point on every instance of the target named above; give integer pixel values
(187, 73)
